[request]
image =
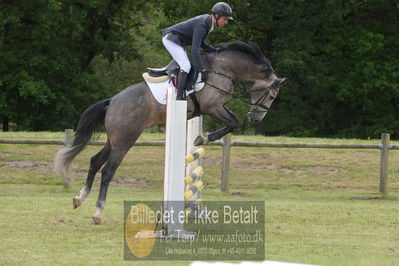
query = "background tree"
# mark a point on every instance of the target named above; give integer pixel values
(340, 57)
(47, 47)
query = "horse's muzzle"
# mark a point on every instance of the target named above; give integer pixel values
(256, 117)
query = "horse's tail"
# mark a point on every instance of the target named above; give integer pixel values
(89, 121)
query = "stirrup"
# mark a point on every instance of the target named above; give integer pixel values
(181, 96)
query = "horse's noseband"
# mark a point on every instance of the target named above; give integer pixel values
(265, 94)
(273, 87)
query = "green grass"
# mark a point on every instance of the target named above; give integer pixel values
(322, 205)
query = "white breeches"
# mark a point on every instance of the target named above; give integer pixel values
(178, 53)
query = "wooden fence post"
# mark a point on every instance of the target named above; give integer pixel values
(384, 162)
(68, 140)
(224, 182)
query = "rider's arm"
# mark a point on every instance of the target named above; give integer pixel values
(207, 47)
(199, 34)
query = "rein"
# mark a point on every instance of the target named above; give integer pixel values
(257, 103)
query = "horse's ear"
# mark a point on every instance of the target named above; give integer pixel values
(279, 82)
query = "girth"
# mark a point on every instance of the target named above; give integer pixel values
(197, 107)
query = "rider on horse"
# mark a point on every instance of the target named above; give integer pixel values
(193, 32)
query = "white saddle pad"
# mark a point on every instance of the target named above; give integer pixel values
(159, 89)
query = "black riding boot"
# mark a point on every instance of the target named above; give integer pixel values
(181, 86)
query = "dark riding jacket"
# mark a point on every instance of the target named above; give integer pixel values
(192, 32)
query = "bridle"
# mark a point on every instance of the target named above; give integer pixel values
(258, 102)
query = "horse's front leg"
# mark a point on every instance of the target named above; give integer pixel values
(224, 115)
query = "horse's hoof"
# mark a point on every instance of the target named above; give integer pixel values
(76, 202)
(199, 141)
(97, 220)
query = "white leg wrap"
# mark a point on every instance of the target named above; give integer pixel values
(99, 213)
(83, 195)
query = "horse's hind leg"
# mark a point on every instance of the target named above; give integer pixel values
(96, 162)
(114, 160)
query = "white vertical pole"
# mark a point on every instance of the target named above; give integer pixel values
(175, 151)
(175, 147)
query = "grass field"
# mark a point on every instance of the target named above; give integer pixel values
(322, 205)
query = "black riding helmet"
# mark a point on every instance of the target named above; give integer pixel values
(223, 9)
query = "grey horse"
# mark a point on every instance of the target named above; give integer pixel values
(128, 113)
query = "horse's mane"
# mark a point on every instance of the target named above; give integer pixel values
(253, 50)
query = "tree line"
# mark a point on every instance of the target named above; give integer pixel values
(57, 57)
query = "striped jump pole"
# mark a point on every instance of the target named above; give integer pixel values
(194, 184)
(196, 174)
(194, 171)
(198, 154)
(197, 186)
(192, 207)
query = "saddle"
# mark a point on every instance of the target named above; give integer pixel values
(170, 72)
(158, 78)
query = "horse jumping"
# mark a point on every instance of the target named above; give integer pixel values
(129, 112)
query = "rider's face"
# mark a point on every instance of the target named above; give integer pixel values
(223, 21)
